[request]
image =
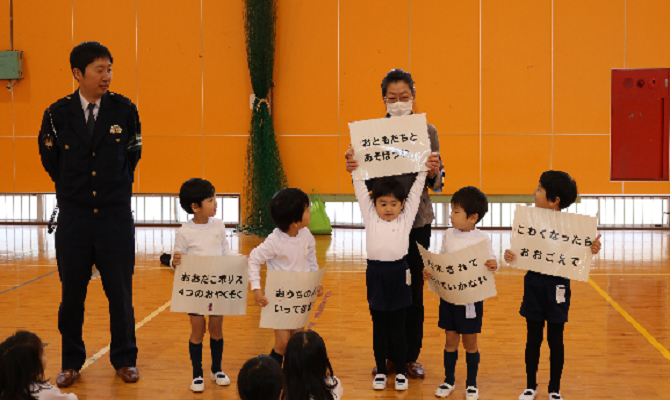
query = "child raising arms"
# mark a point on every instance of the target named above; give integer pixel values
(388, 215)
(202, 236)
(290, 247)
(547, 297)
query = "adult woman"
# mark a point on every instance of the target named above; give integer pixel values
(399, 94)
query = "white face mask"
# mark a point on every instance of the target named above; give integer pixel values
(399, 108)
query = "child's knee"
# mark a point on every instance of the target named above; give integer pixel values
(452, 341)
(470, 343)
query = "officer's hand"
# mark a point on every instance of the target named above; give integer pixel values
(426, 275)
(509, 256)
(319, 291)
(259, 298)
(176, 259)
(595, 247)
(491, 264)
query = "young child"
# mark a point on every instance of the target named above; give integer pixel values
(468, 207)
(22, 366)
(260, 379)
(307, 370)
(290, 247)
(542, 299)
(202, 236)
(388, 215)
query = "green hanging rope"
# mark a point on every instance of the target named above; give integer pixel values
(264, 171)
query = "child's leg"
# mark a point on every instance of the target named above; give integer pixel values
(282, 337)
(451, 356)
(395, 325)
(379, 338)
(216, 341)
(533, 344)
(198, 326)
(471, 358)
(557, 355)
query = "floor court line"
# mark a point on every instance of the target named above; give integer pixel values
(632, 321)
(138, 325)
(25, 283)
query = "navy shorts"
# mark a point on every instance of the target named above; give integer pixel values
(542, 299)
(388, 289)
(452, 318)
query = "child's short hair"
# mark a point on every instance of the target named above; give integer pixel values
(306, 367)
(260, 379)
(559, 184)
(194, 190)
(472, 201)
(287, 206)
(388, 186)
(20, 365)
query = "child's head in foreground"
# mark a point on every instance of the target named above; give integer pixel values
(290, 208)
(306, 367)
(556, 191)
(196, 196)
(389, 197)
(468, 207)
(260, 379)
(22, 362)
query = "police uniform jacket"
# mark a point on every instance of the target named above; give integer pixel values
(93, 174)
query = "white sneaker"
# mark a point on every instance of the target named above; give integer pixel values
(444, 390)
(401, 382)
(198, 385)
(471, 393)
(528, 394)
(221, 379)
(555, 396)
(380, 382)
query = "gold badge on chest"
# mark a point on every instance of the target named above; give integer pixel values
(115, 129)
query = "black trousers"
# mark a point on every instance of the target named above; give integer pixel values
(108, 243)
(556, 356)
(388, 332)
(415, 312)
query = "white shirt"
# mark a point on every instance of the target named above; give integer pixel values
(203, 239)
(44, 391)
(84, 105)
(281, 252)
(338, 390)
(455, 240)
(388, 240)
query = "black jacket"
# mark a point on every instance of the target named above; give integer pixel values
(93, 175)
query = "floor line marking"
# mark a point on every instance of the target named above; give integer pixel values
(138, 325)
(25, 283)
(632, 321)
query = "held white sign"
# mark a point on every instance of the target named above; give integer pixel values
(215, 285)
(460, 277)
(552, 242)
(390, 146)
(291, 297)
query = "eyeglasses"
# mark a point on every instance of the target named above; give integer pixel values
(403, 99)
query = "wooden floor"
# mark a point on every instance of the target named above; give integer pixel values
(616, 338)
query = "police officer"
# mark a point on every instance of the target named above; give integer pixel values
(90, 145)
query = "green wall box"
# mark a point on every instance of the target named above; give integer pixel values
(11, 65)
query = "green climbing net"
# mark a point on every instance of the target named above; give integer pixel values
(264, 171)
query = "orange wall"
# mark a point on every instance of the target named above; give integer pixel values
(514, 88)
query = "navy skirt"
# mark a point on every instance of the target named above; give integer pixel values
(388, 288)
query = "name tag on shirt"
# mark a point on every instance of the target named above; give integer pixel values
(470, 312)
(408, 278)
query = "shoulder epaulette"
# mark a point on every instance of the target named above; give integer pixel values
(61, 102)
(120, 98)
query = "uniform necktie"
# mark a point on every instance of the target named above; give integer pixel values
(90, 123)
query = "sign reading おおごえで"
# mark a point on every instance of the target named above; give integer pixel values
(210, 285)
(460, 277)
(552, 242)
(291, 296)
(390, 146)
